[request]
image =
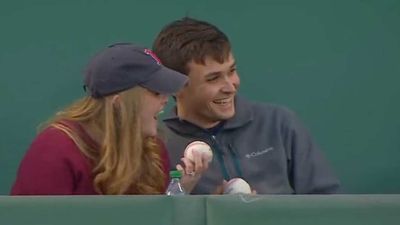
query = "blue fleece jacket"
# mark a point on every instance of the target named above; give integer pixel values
(264, 144)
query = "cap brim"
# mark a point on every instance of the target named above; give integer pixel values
(165, 81)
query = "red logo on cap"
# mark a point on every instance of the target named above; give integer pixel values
(151, 53)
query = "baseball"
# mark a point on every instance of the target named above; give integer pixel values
(198, 146)
(237, 186)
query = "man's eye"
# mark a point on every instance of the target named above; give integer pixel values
(212, 78)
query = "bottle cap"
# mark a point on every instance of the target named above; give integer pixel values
(175, 174)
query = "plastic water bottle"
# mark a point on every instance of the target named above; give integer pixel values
(175, 187)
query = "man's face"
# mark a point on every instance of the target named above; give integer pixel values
(209, 96)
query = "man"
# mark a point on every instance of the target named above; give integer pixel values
(265, 145)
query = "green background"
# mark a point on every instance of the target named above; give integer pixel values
(336, 63)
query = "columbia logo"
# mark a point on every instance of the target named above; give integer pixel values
(255, 154)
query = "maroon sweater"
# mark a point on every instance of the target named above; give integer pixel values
(54, 165)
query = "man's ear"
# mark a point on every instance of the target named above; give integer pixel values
(179, 93)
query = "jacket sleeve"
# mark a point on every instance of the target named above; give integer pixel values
(309, 171)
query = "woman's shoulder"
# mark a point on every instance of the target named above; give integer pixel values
(53, 143)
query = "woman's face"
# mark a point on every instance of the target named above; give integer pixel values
(152, 104)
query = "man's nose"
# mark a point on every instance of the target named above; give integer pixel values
(229, 85)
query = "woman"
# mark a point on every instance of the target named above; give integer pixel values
(105, 143)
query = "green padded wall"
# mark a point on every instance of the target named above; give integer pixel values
(335, 62)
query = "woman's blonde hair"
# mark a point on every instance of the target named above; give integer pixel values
(126, 162)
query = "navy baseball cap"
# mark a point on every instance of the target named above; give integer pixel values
(123, 66)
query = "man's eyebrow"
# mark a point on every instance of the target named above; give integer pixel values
(216, 73)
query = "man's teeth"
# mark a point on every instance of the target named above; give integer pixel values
(224, 101)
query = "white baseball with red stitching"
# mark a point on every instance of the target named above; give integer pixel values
(237, 186)
(200, 147)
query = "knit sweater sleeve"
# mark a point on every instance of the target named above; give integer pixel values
(47, 167)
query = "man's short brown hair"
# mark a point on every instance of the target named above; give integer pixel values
(186, 40)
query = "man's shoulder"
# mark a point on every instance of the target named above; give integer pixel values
(266, 109)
